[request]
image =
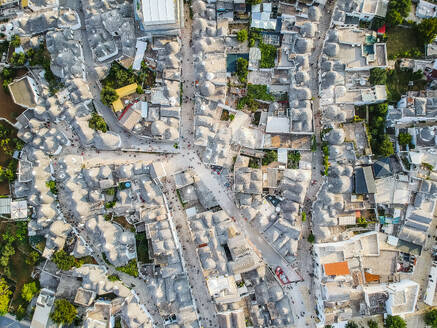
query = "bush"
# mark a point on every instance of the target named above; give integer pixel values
(293, 159)
(29, 291)
(52, 185)
(254, 91)
(304, 216)
(32, 258)
(251, 42)
(378, 76)
(254, 163)
(110, 191)
(372, 324)
(110, 204)
(404, 138)
(140, 90)
(108, 96)
(431, 318)
(351, 324)
(397, 10)
(427, 30)
(18, 59)
(130, 268)
(270, 156)
(64, 312)
(311, 238)
(242, 35)
(97, 122)
(5, 296)
(394, 322)
(64, 261)
(113, 277)
(242, 71)
(15, 41)
(268, 55)
(386, 147)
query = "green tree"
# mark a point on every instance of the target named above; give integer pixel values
(32, 258)
(5, 296)
(18, 59)
(15, 41)
(378, 76)
(427, 30)
(108, 95)
(351, 324)
(397, 10)
(140, 90)
(242, 35)
(386, 147)
(29, 291)
(63, 260)
(404, 138)
(431, 318)
(268, 55)
(372, 324)
(394, 322)
(242, 65)
(97, 122)
(270, 157)
(64, 312)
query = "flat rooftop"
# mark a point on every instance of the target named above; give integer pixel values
(22, 93)
(158, 12)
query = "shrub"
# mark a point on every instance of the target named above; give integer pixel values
(404, 138)
(140, 90)
(378, 76)
(270, 157)
(29, 291)
(113, 277)
(397, 10)
(108, 95)
(242, 71)
(242, 35)
(394, 322)
(5, 296)
(311, 238)
(97, 122)
(427, 30)
(130, 268)
(64, 312)
(431, 318)
(52, 185)
(268, 55)
(15, 41)
(64, 261)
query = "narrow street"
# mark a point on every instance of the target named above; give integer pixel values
(206, 308)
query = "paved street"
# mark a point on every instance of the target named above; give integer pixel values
(206, 308)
